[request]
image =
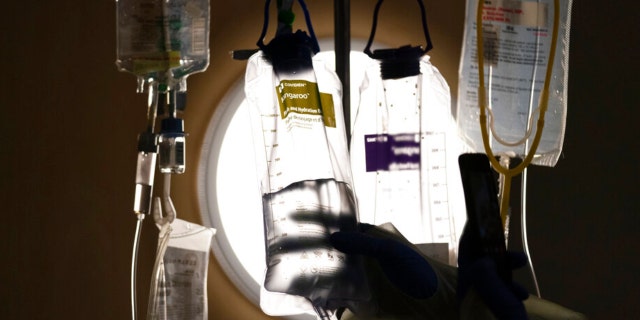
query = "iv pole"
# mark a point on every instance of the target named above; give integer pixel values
(342, 38)
(342, 46)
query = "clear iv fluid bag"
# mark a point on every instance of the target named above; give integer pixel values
(517, 38)
(179, 284)
(302, 163)
(403, 143)
(163, 40)
(300, 219)
(307, 200)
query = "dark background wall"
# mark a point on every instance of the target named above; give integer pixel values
(70, 119)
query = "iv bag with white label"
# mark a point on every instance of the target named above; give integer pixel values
(162, 41)
(525, 63)
(179, 283)
(403, 151)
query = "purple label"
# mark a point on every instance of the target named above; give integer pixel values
(385, 152)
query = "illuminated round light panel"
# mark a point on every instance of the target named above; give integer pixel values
(228, 189)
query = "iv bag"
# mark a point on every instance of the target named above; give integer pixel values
(179, 286)
(517, 37)
(162, 40)
(404, 148)
(305, 181)
(306, 185)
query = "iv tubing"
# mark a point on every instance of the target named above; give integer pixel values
(507, 143)
(509, 173)
(505, 184)
(165, 232)
(169, 209)
(163, 211)
(164, 224)
(525, 242)
(321, 313)
(134, 266)
(152, 108)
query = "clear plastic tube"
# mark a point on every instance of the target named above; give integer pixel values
(163, 214)
(525, 241)
(134, 266)
(158, 271)
(145, 171)
(168, 209)
(321, 313)
(505, 187)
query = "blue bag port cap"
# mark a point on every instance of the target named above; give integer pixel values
(172, 125)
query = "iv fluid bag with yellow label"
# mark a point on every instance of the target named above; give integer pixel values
(404, 149)
(305, 180)
(517, 38)
(163, 40)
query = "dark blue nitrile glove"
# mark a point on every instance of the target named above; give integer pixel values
(404, 267)
(502, 296)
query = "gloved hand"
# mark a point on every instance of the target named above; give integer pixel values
(404, 267)
(500, 294)
(404, 284)
(417, 287)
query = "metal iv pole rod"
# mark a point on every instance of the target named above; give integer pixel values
(342, 38)
(284, 8)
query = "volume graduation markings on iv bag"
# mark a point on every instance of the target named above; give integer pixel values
(299, 220)
(269, 128)
(436, 159)
(410, 161)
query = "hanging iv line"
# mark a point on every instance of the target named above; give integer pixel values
(524, 139)
(145, 172)
(506, 172)
(161, 56)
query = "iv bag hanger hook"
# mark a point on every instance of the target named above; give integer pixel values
(164, 212)
(260, 43)
(429, 44)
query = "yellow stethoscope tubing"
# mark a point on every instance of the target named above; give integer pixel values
(506, 172)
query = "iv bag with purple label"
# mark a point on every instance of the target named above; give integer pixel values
(403, 151)
(404, 148)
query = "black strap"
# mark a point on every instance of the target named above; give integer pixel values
(367, 49)
(260, 43)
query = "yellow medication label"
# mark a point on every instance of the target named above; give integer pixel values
(302, 98)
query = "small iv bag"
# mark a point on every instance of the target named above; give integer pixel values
(517, 40)
(162, 41)
(178, 286)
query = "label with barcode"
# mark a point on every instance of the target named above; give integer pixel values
(198, 36)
